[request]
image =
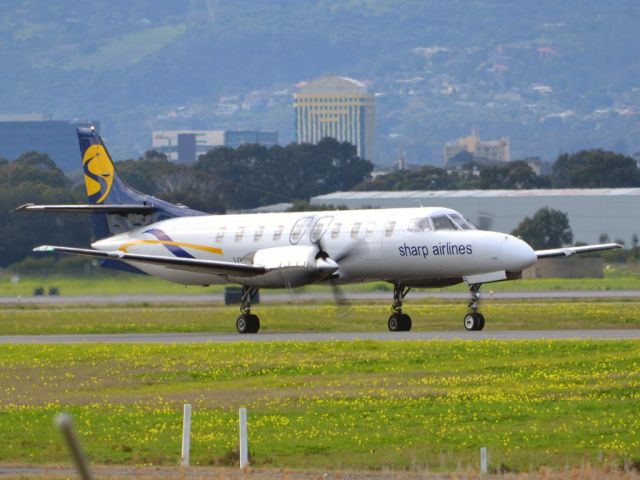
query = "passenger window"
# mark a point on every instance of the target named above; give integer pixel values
(258, 235)
(335, 230)
(368, 233)
(278, 233)
(443, 223)
(220, 234)
(239, 233)
(419, 225)
(355, 229)
(389, 227)
(319, 228)
(299, 228)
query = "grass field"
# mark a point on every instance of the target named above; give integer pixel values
(105, 282)
(334, 405)
(426, 315)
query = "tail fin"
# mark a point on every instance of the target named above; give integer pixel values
(105, 187)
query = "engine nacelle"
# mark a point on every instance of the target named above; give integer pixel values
(291, 266)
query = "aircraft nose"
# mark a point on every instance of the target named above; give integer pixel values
(516, 254)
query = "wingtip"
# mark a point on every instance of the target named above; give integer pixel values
(44, 248)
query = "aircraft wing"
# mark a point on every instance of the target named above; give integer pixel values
(566, 251)
(188, 264)
(122, 209)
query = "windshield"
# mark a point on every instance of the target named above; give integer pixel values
(461, 222)
(443, 222)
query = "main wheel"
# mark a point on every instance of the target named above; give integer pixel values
(254, 323)
(395, 322)
(405, 322)
(242, 323)
(481, 322)
(472, 321)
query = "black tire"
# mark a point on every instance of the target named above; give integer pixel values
(481, 322)
(254, 323)
(471, 321)
(405, 322)
(394, 322)
(243, 324)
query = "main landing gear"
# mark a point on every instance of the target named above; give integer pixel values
(474, 320)
(247, 322)
(398, 321)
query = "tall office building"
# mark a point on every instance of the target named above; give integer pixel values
(336, 107)
(36, 132)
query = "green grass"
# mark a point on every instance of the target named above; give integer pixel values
(108, 283)
(127, 49)
(329, 405)
(427, 315)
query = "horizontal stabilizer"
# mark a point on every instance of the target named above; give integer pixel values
(211, 267)
(118, 209)
(567, 251)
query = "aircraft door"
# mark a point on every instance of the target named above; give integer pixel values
(299, 229)
(320, 228)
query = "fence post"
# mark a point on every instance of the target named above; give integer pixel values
(483, 460)
(65, 424)
(186, 434)
(244, 447)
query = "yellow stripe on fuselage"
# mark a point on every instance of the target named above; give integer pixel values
(125, 246)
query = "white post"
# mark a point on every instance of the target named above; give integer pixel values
(186, 435)
(483, 460)
(244, 448)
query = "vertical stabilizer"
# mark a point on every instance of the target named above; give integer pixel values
(105, 187)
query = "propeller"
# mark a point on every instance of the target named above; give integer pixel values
(322, 254)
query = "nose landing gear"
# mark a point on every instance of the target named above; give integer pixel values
(474, 321)
(247, 322)
(398, 321)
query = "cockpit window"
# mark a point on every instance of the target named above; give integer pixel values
(462, 222)
(419, 225)
(443, 222)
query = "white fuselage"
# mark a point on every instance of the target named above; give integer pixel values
(413, 246)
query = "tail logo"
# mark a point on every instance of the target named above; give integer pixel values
(98, 173)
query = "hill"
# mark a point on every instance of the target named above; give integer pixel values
(551, 76)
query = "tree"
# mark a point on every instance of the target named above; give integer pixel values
(547, 228)
(595, 169)
(33, 177)
(516, 175)
(254, 175)
(155, 175)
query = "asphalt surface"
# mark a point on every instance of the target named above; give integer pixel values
(169, 338)
(275, 297)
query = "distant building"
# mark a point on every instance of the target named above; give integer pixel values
(492, 150)
(184, 146)
(235, 138)
(336, 107)
(36, 132)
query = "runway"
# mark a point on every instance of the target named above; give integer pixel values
(172, 338)
(280, 297)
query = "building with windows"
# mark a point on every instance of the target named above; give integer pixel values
(184, 146)
(39, 133)
(336, 107)
(492, 150)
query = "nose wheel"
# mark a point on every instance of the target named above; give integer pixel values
(398, 321)
(474, 321)
(247, 322)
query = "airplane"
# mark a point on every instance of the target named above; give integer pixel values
(407, 247)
